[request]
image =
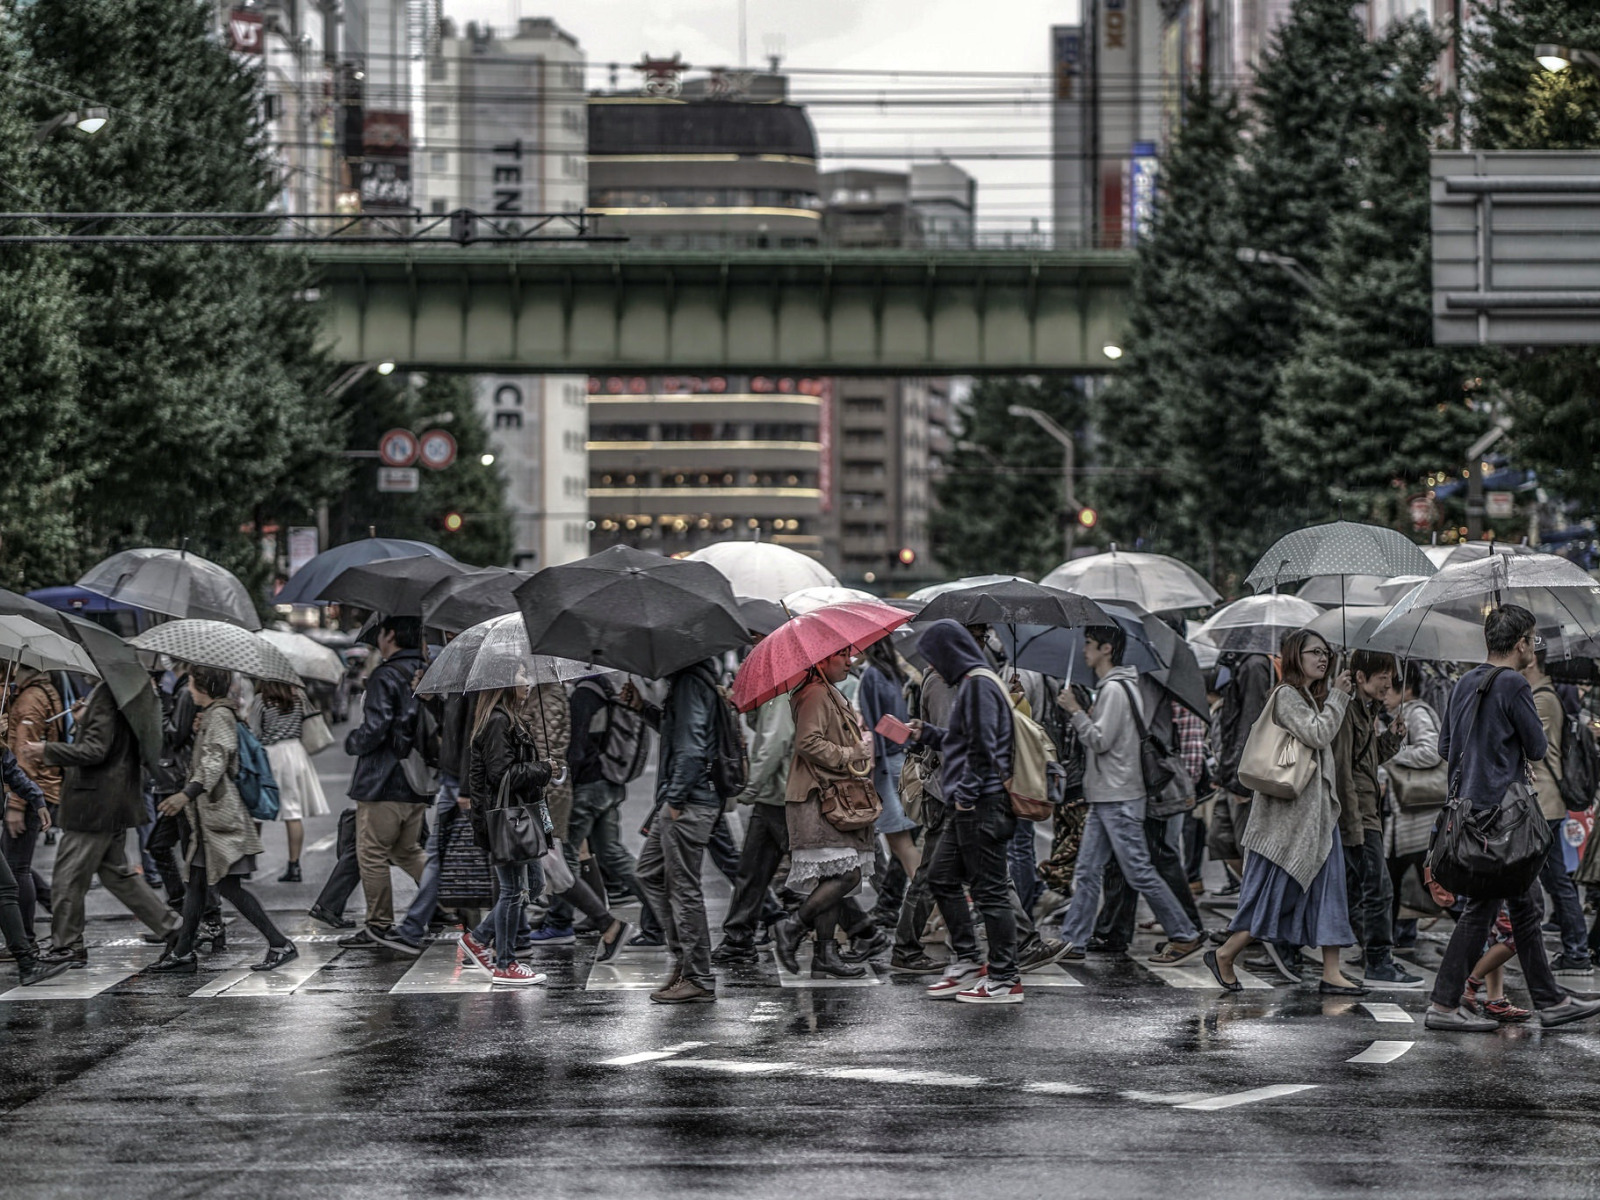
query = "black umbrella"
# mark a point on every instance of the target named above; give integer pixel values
(1013, 602)
(393, 586)
(118, 664)
(309, 580)
(761, 617)
(459, 602)
(632, 611)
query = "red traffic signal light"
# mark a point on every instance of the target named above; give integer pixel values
(453, 522)
(907, 556)
(1088, 518)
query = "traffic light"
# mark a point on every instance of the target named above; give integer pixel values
(907, 557)
(1088, 518)
(453, 521)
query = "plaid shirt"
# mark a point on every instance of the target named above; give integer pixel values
(1191, 740)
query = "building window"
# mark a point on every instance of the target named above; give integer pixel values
(508, 420)
(437, 206)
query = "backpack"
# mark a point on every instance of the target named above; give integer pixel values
(257, 788)
(1033, 787)
(624, 736)
(730, 764)
(1580, 760)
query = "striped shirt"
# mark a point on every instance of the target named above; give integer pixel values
(280, 726)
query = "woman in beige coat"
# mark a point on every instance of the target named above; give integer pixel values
(223, 849)
(829, 746)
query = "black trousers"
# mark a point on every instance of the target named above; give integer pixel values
(764, 847)
(1371, 897)
(166, 836)
(1120, 905)
(917, 906)
(972, 856)
(16, 934)
(346, 874)
(232, 889)
(18, 853)
(1472, 931)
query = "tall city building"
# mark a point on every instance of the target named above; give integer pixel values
(677, 462)
(503, 132)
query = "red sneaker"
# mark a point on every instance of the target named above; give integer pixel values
(477, 951)
(1505, 1012)
(518, 974)
(988, 992)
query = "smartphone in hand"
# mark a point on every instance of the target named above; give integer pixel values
(893, 728)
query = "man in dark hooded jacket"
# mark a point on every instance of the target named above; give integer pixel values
(975, 753)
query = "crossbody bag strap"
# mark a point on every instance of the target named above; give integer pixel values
(1477, 709)
(1138, 716)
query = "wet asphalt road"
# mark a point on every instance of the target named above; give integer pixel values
(370, 1076)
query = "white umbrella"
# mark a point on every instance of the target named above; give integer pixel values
(311, 660)
(30, 644)
(1155, 582)
(495, 654)
(938, 589)
(1257, 624)
(175, 583)
(1564, 600)
(1391, 590)
(1331, 591)
(764, 570)
(218, 644)
(812, 598)
(1434, 636)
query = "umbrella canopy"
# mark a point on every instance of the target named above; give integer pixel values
(923, 595)
(1014, 602)
(392, 586)
(1332, 591)
(764, 570)
(761, 617)
(633, 611)
(1433, 636)
(812, 598)
(309, 581)
(1449, 556)
(495, 654)
(1564, 600)
(784, 656)
(220, 645)
(1155, 582)
(1338, 548)
(116, 664)
(459, 602)
(310, 660)
(173, 582)
(30, 644)
(1256, 624)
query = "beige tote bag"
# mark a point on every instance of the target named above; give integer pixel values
(1275, 762)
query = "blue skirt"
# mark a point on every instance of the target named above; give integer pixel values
(893, 818)
(1275, 908)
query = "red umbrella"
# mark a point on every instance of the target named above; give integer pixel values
(788, 652)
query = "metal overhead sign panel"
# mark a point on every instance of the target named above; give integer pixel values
(1516, 247)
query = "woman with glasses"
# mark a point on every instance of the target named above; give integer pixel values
(1293, 892)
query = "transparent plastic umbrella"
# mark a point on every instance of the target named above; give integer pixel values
(311, 660)
(764, 570)
(29, 644)
(495, 654)
(1257, 624)
(812, 598)
(1421, 633)
(938, 589)
(1154, 582)
(174, 583)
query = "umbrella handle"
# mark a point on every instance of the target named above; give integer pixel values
(559, 777)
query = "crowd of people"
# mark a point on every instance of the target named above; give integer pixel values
(526, 784)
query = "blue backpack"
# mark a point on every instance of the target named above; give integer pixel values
(257, 788)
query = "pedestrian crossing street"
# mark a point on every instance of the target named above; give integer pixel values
(117, 968)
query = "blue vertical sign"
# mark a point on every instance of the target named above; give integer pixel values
(1142, 169)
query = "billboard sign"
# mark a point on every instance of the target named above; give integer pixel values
(247, 31)
(385, 175)
(1142, 170)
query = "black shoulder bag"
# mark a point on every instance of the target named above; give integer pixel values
(1488, 853)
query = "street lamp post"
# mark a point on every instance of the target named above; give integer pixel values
(85, 120)
(1475, 506)
(1290, 266)
(1558, 58)
(1069, 450)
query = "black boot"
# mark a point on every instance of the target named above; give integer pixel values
(291, 873)
(875, 943)
(830, 964)
(787, 935)
(31, 970)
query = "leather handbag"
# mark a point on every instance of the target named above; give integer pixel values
(851, 803)
(1418, 787)
(1274, 761)
(516, 832)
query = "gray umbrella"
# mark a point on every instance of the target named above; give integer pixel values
(1341, 548)
(218, 644)
(459, 602)
(1256, 624)
(174, 583)
(393, 586)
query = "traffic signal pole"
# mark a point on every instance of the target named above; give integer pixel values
(1069, 450)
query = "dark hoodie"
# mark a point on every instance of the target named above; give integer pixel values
(975, 746)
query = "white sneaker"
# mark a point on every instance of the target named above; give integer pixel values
(957, 976)
(987, 992)
(518, 974)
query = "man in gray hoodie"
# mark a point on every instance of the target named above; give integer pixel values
(1113, 784)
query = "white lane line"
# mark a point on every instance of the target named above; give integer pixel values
(1388, 1012)
(1053, 976)
(322, 844)
(1253, 1096)
(443, 967)
(103, 971)
(286, 979)
(1164, 1097)
(220, 983)
(804, 980)
(1382, 1052)
(729, 1066)
(644, 1056)
(898, 1075)
(1198, 977)
(629, 974)
(1048, 1088)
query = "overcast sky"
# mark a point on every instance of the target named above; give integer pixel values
(875, 35)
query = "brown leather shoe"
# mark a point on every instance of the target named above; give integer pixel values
(683, 992)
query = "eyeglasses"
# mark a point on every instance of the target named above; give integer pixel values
(1320, 652)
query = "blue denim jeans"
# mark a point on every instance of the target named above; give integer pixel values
(1116, 829)
(1564, 892)
(518, 882)
(1022, 857)
(415, 927)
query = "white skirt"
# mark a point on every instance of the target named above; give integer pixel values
(299, 790)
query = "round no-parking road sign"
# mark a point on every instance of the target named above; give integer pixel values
(397, 448)
(438, 449)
